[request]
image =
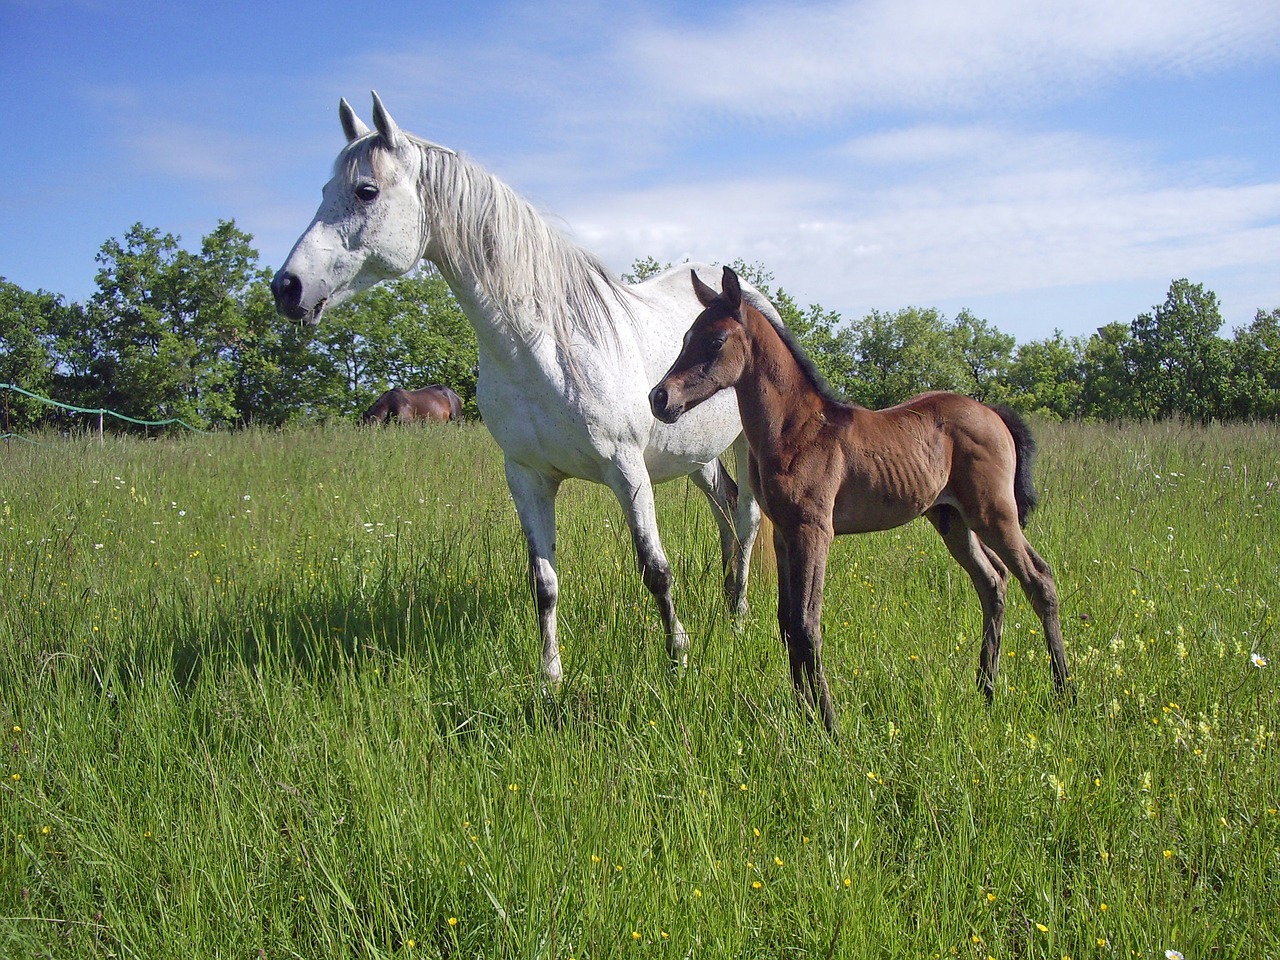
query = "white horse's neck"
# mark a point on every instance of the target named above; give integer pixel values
(507, 265)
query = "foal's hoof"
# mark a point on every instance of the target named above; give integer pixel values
(1067, 693)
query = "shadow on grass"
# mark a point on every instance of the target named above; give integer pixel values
(470, 646)
(338, 627)
(407, 619)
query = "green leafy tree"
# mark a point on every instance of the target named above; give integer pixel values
(184, 334)
(228, 299)
(1107, 388)
(272, 360)
(1044, 377)
(1254, 359)
(408, 333)
(897, 355)
(643, 268)
(26, 356)
(986, 354)
(161, 329)
(143, 347)
(1177, 357)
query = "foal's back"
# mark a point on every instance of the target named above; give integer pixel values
(934, 449)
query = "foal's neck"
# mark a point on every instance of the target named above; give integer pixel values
(777, 395)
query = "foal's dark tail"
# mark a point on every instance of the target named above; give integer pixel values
(1024, 491)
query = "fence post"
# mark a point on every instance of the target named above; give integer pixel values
(100, 440)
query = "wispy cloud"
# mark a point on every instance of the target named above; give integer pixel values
(813, 61)
(980, 212)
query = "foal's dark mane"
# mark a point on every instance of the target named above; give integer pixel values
(807, 366)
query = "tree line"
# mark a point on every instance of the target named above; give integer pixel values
(194, 335)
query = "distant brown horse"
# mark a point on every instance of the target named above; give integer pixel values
(822, 467)
(436, 402)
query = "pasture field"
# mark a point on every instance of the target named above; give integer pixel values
(273, 695)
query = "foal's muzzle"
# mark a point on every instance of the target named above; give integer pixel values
(660, 404)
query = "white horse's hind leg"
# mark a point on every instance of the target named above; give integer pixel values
(535, 498)
(634, 491)
(738, 519)
(746, 522)
(714, 481)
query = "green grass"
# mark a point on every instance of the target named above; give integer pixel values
(274, 695)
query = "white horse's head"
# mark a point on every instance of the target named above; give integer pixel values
(371, 224)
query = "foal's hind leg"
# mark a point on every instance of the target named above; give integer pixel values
(1008, 541)
(990, 579)
(738, 519)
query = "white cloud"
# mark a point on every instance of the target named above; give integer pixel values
(1012, 215)
(813, 61)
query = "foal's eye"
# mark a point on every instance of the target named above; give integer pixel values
(717, 343)
(367, 192)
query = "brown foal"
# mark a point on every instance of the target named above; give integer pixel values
(822, 467)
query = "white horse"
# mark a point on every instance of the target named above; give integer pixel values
(567, 352)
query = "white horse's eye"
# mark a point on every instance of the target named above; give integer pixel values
(367, 192)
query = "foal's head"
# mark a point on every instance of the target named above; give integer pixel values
(714, 354)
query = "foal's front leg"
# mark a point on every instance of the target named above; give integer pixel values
(801, 576)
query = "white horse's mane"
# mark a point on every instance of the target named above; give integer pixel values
(524, 269)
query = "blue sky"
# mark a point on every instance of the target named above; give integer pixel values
(1047, 165)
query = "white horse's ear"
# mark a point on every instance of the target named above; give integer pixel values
(352, 125)
(385, 125)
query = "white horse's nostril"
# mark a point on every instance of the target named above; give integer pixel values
(287, 290)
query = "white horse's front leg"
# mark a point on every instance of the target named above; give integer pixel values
(634, 491)
(535, 498)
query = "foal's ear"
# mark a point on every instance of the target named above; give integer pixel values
(705, 294)
(385, 125)
(731, 289)
(352, 125)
